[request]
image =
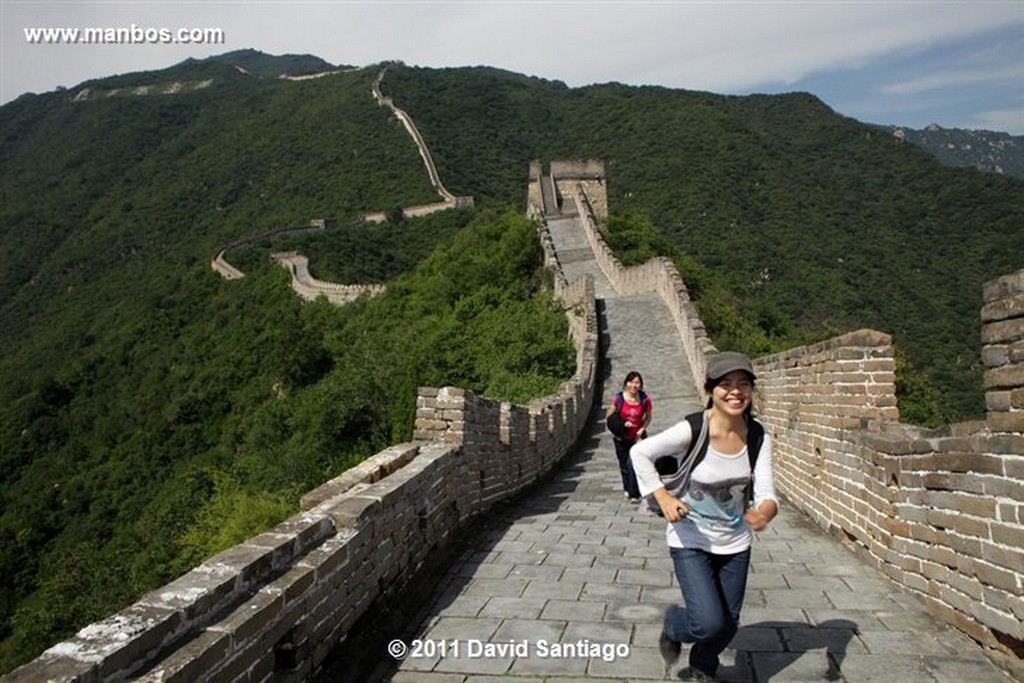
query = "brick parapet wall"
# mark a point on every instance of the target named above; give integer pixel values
(659, 276)
(274, 607)
(534, 198)
(939, 511)
(310, 289)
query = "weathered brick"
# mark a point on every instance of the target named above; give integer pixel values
(52, 666)
(1002, 331)
(193, 660)
(971, 526)
(1017, 400)
(251, 617)
(353, 511)
(1011, 535)
(1004, 377)
(1003, 287)
(1003, 309)
(995, 355)
(996, 577)
(1006, 422)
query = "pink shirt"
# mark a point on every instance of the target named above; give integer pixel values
(632, 412)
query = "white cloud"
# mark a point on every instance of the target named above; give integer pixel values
(1011, 120)
(1007, 74)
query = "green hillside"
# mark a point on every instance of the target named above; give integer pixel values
(152, 413)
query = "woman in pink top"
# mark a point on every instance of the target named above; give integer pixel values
(634, 407)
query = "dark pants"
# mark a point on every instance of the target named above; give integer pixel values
(713, 587)
(629, 484)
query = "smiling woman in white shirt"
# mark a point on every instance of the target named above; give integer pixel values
(720, 491)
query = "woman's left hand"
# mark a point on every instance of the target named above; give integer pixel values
(756, 519)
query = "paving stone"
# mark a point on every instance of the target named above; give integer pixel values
(641, 664)
(905, 643)
(523, 607)
(571, 610)
(604, 592)
(598, 631)
(960, 670)
(644, 577)
(795, 598)
(484, 571)
(562, 590)
(492, 587)
(884, 669)
(455, 628)
(620, 561)
(797, 666)
(546, 572)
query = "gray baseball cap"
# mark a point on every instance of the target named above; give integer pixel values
(721, 364)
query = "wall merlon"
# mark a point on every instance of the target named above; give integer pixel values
(353, 511)
(250, 618)
(1004, 287)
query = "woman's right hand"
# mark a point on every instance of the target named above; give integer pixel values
(672, 509)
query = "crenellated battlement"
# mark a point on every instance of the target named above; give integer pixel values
(939, 511)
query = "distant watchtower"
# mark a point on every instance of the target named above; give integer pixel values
(563, 180)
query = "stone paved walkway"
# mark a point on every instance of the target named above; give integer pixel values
(575, 565)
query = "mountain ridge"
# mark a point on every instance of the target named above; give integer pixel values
(985, 150)
(982, 149)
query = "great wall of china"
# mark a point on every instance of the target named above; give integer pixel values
(304, 284)
(940, 512)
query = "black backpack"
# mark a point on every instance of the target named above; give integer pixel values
(615, 423)
(675, 469)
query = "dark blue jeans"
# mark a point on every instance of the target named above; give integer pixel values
(713, 588)
(629, 483)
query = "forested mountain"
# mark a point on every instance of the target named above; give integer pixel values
(151, 413)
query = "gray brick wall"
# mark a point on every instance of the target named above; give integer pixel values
(939, 511)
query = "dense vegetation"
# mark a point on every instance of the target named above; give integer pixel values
(151, 413)
(790, 223)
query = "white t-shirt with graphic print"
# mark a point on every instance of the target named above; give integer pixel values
(714, 494)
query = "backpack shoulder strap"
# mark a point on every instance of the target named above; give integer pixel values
(755, 437)
(699, 439)
(675, 470)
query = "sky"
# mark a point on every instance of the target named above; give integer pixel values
(958, 64)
